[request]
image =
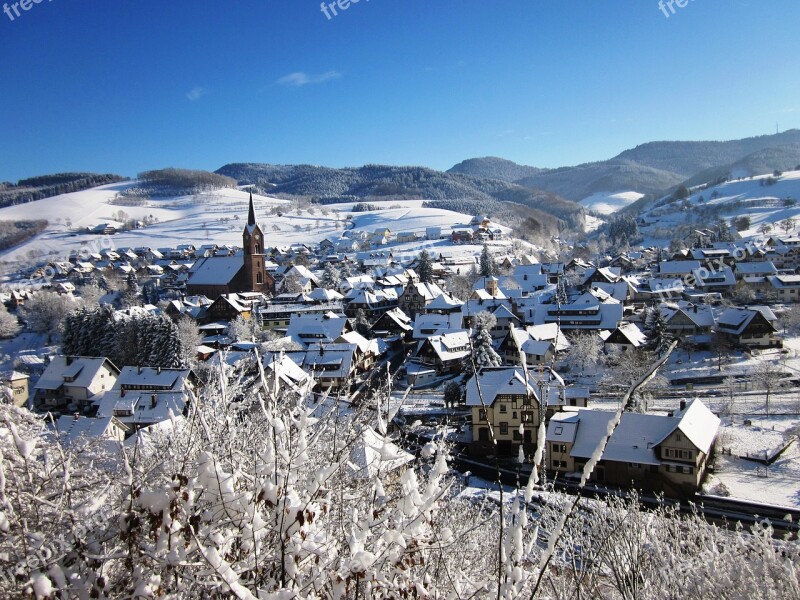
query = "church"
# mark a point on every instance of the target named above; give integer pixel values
(242, 272)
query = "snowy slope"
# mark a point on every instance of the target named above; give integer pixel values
(213, 217)
(751, 197)
(605, 203)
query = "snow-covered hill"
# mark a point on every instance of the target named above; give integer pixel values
(605, 203)
(765, 199)
(212, 217)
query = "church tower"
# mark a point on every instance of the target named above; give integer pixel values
(255, 276)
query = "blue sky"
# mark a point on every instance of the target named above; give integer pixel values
(123, 86)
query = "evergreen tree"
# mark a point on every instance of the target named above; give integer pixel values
(487, 266)
(657, 332)
(483, 352)
(425, 268)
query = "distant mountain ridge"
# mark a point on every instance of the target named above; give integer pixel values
(381, 182)
(493, 167)
(651, 168)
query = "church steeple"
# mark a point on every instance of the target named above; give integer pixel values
(251, 215)
(255, 276)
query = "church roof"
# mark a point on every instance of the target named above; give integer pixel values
(216, 270)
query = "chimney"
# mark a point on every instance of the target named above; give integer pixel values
(158, 370)
(683, 405)
(69, 360)
(153, 401)
(139, 370)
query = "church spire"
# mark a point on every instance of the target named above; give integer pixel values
(251, 216)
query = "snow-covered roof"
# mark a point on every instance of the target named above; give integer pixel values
(636, 437)
(81, 370)
(151, 378)
(215, 270)
(698, 424)
(309, 328)
(444, 302)
(141, 407)
(484, 387)
(72, 428)
(677, 267)
(433, 323)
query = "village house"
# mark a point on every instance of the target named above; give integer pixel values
(752, 326)
(73, 430)
(518, 342)
(445, 353)
(144, 396)
(307, 329)
(787, 287)
(15, 387)
(416, 297)
(661, 453)
(393, 322)
(74, 381)
(508, 402)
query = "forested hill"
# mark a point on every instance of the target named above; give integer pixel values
(45, 186)
(380, 182)
(651, 168)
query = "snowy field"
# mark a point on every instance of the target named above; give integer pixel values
(605, 203)
(217, 217)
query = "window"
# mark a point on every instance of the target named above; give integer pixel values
(482, 414)
(559, 449)
(514, 415)
(556, 464)
(559, 430)
(503, 428)
(635, 466)
(503, 408)
(668, 453)
(678, 437)
(517, 436)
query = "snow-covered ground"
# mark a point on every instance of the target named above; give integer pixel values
(750, 197)
(606, 203)
(216, 217)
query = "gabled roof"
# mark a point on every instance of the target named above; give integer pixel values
(71, 429)
(152, 378)
(309, 328)
(444, 302)
(449, 346)
(628, 333)
(215, 270)
(735, 320)
(698, 424)
(488, 383)
(79, 368)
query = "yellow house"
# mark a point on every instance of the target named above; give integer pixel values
(508, 402)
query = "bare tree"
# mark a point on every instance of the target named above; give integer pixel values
(46, 311)
(189, 335)
(766, 376)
